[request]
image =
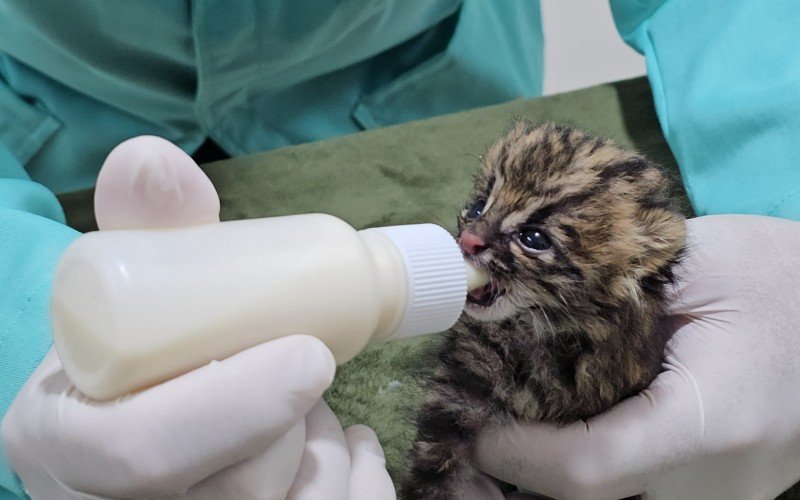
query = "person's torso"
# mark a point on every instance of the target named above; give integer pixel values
(79, 77)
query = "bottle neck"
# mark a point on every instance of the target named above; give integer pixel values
(392, 282)
(422, 278)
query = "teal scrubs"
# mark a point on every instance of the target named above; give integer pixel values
(79, 77)
(726, 83)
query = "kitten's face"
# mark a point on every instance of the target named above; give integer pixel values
(562, 220)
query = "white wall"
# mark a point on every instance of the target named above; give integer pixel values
(582, 46)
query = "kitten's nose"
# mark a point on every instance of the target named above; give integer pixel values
(471, 243)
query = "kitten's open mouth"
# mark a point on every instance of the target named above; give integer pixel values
(485, 295)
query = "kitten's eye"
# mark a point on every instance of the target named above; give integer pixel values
(476, 210)
(534, 238)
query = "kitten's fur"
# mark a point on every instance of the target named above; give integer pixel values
(574, 328)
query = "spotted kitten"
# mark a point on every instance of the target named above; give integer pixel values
(580, 238)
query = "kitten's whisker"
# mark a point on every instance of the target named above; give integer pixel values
(567, 310)
(547, 318)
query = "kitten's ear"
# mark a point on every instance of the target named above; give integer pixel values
(516, 130)
(484, 178)
(663, 229)
(494, 156)
(519, 128)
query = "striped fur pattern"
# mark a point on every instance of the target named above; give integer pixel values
(572, 329)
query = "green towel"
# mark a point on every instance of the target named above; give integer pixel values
(416, 172)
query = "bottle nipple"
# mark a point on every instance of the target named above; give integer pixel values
(476, 278)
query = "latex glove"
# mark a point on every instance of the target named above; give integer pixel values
(251, 426)
(243, 415)
(338, 464)
(723, 420)
(148, 182)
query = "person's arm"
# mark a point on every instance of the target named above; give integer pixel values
(32, 238)
(726, 84)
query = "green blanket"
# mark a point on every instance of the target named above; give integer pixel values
(416, 172)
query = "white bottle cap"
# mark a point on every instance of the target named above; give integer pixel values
(436, 277)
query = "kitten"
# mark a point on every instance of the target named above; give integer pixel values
(580, 238)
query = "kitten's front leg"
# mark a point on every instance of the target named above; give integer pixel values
(447, 424)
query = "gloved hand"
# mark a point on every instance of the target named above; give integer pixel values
(252, 426)
(723, 420)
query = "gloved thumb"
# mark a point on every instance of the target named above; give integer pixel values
(148, 182)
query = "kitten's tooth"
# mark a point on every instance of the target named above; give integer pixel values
(475, 277)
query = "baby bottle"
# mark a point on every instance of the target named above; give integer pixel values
(133, 308)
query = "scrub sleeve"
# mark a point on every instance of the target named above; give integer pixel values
(726, 85)
(32, 238)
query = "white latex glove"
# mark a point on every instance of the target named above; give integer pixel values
(148, 182)
(340, 465)
(723, 420)
(252, 426)
(242, 416)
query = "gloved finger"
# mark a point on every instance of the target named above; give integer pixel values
(613, 455)
(267, 476)
(369, 479)
(726, 253)
(169, 437)
(49, 489)
(703, 277)
(325, 468)
(17, 430)
(148, 182)
(478, 487)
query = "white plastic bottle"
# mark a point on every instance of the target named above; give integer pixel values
(132, 308)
